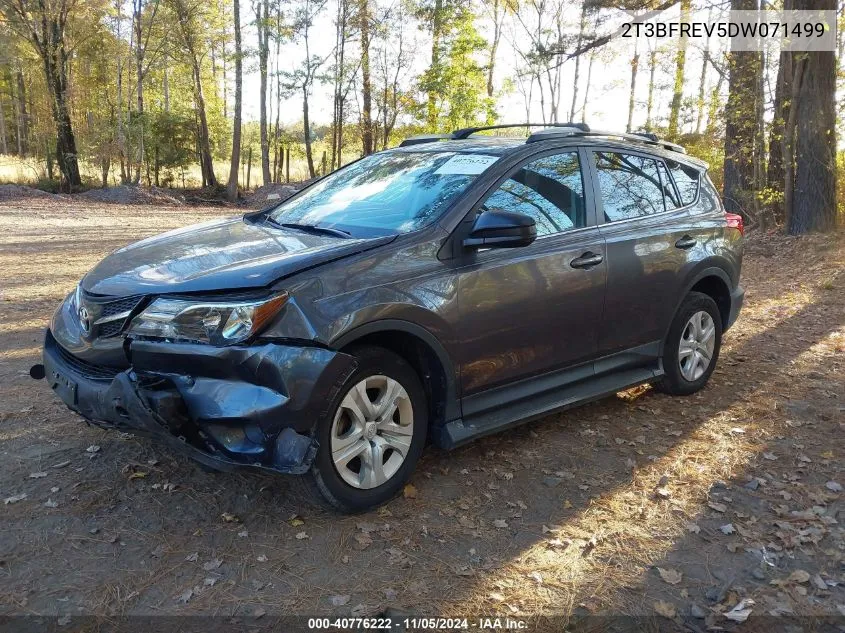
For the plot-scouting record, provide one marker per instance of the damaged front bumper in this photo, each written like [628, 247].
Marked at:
[226, 407]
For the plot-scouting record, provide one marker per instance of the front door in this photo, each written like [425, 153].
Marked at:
[528, 311]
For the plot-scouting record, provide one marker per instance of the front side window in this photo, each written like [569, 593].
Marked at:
[549, 189]
[630, 186]
[385, 194]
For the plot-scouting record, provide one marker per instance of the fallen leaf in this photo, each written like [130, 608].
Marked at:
[62, 464]
[770, 456]
[51, 504]
[338, 601]
[229, 518]
[718, 507]
[192, 558]
[800, 576]
[666, 609]
[138, 474]
[259, 613]
[536, 577]
[301, 536]
[212, 564]
[670, 576]
[14, 498]
[295, 521]
[409, 492]
[93, 449]
[830, 485]
[363, 540]
[243, 533]
[210, 581]
[728, 528]
[37, 475]
[185, 596]
[693, 527]
[741, 611]
[500, 523]
[261, 558]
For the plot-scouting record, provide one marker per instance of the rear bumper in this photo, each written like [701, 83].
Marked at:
[227, 407]
[737, 299]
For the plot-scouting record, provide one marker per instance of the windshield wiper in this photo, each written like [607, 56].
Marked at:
[311, 228]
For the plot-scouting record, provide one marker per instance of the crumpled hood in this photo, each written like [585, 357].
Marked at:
[217, 255]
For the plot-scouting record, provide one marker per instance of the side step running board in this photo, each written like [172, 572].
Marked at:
[460, 432]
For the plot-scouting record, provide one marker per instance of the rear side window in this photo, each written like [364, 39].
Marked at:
[549, 189]
[686, 178]
[669, 193]
[630, 186]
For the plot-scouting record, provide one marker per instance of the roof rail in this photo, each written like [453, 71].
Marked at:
[466, 132]
[424, 138]
[642, 137]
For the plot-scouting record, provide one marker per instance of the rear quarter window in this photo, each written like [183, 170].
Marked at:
[687, 180]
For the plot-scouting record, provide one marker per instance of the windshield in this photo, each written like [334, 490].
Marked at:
[384, 194]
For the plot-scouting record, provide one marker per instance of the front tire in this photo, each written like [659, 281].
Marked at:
[692, 346]
[374, 433]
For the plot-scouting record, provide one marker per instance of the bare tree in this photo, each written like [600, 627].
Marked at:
[302, 79]
[262, 25]
[364, 26]
[232, 185]
[188, 15]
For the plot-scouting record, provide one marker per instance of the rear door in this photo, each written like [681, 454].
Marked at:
[648, 232]
[528, 311]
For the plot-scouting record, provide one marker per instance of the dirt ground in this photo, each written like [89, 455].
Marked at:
[692, 512]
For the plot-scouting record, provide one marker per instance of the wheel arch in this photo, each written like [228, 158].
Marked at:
[423, 351]
[715, 282]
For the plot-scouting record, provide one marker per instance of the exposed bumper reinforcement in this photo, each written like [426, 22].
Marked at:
[226, 408]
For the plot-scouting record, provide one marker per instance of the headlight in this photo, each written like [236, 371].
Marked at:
[223, 323]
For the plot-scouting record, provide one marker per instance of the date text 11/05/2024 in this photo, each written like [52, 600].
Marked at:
[419, 624]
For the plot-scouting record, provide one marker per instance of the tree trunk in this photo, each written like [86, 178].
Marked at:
[635, 61]
[680, 63]
[55, 72]
[232, 185]
[4, 148]
[494, 45]
[138, 6]
[776, 170]
[23, 116]
[587, 87]
[262, 15]
[436, 33]
[814, 193]
[652, 67]
[366, 85]
[309, 157]
[741, 125]
[798, 62]
[206, 162]
[581, 27]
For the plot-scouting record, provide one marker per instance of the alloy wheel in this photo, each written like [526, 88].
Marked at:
[698, 340]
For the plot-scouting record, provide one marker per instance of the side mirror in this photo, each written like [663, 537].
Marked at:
[502, 229]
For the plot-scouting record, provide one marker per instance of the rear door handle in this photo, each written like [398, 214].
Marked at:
[686, 242]
[587, 260]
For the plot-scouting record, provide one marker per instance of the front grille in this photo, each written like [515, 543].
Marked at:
[103, 307]
[86, 369]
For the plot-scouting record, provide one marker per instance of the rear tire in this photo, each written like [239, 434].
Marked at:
[380, 418]
[692, 346]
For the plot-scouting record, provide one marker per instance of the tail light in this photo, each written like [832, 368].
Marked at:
[735, 222]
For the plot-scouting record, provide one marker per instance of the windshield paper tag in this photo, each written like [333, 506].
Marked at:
[466, 164]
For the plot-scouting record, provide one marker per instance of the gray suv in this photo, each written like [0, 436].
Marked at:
[444, 290]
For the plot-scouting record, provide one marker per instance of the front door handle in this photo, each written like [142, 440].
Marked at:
[686, 242]
[587, 260]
